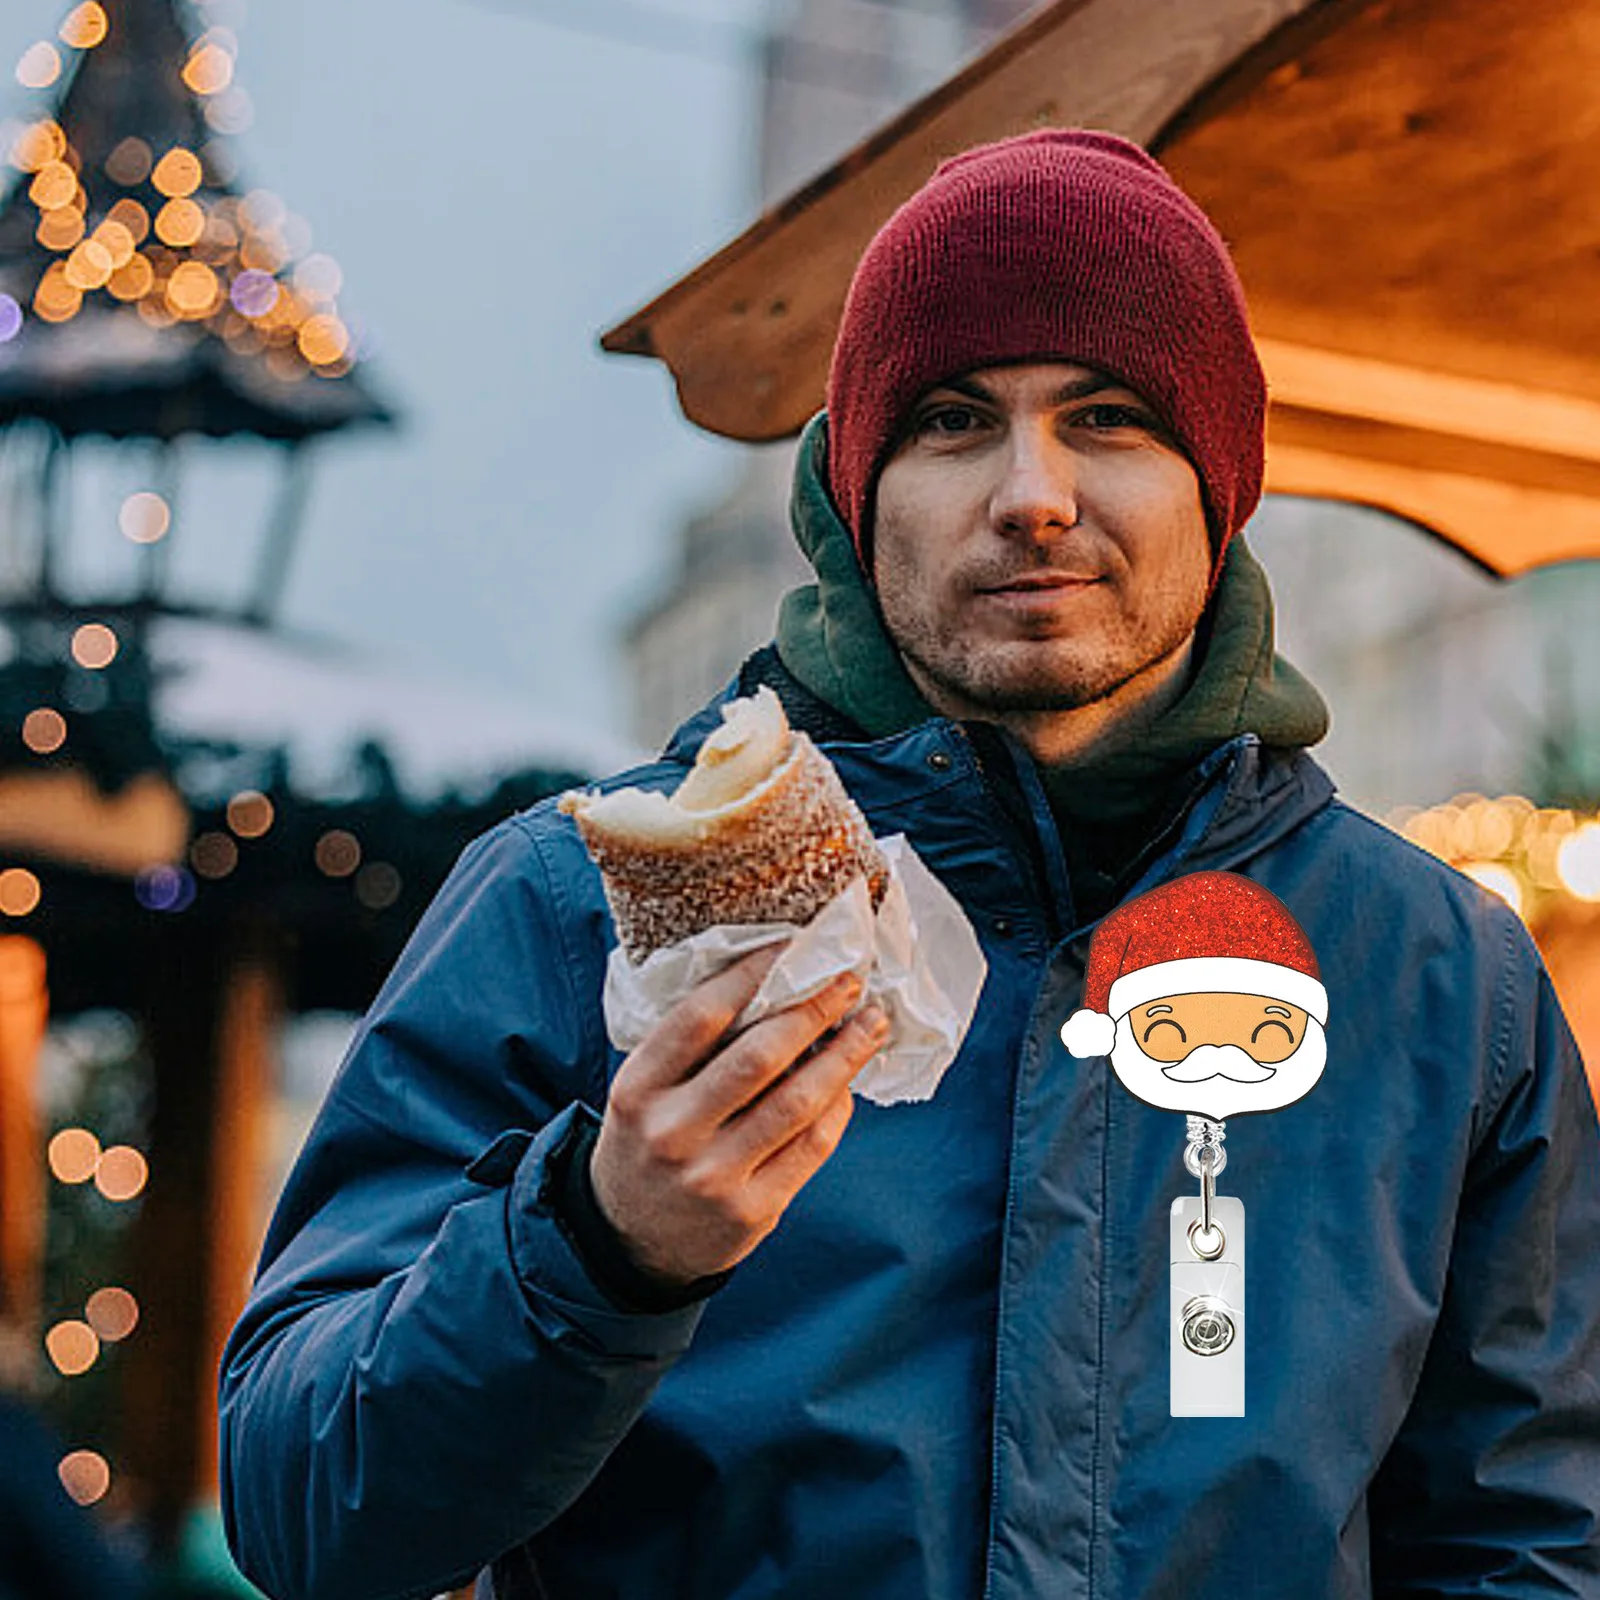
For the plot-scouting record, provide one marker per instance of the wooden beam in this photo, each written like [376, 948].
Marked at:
[748, 334]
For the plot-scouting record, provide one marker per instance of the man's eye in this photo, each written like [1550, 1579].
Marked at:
[947, 420]
[1165, 1022]
[1110, 416]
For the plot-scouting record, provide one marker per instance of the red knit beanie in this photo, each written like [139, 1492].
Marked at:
[1062, 245]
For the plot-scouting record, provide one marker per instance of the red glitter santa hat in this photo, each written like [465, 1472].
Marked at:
[1207, 933]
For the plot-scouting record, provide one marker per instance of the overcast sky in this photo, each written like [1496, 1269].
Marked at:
[497, 189]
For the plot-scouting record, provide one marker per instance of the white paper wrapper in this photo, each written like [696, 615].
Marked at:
[917, 956]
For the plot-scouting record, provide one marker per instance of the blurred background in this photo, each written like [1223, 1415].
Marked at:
[328, 538]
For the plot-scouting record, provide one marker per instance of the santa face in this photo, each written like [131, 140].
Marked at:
[1218, 1055]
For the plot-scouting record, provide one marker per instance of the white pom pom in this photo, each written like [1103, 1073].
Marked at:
[1089, 1033]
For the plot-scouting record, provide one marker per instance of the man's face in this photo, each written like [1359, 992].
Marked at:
[1039, 542]
[1218, 1054]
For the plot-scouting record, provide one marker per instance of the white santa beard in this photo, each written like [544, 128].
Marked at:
[1218, 1097]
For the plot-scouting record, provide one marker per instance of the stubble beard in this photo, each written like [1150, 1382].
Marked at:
[1031, 676]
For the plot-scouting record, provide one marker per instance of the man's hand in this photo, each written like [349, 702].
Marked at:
[707, 1139]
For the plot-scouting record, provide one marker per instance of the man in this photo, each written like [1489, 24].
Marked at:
[689, 1324]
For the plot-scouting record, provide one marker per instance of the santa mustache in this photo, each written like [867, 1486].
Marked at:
[1217, 1060]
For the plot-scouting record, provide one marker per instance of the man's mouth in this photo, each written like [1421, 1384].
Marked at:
[1039, 582]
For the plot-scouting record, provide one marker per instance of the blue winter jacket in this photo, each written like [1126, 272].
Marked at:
[945, 1376]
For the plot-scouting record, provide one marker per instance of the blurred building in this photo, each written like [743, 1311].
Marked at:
[833, 71]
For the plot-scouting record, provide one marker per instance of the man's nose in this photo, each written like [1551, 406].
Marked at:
[1037, 495]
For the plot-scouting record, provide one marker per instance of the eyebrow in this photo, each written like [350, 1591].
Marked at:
[1150, 1011]
[1073, 389]
[1283, 1011]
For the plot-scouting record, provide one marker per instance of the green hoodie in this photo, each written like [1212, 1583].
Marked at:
[831, 637]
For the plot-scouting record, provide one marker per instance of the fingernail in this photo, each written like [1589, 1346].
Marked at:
[848, 986]
[874, 1019]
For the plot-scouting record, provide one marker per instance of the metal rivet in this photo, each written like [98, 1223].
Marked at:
[940, 761]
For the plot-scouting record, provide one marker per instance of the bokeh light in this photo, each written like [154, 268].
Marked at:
[117, 240]
[85, 26]
[73, 1347]
[180, 223]
[192, 290]
[145, 517]
[10, 318]
[19, 892]
[38, 144]
[250, 814]
[1578, 862]
[113, 1313]
[85, 1475]
[73, 1155]
[377, 886]
[209, 70]
[54, 185]
[338, 853]
[122, 1173]
[323, 338]
[318, 279]
[40, 65]
[44, 730]
[133, 281]
[213, 855]
[94, 646]
[89, 266]
[129, 214]
[60, 229]
[130, 162]
[1497, 879]
[230, 112]
[262, 210]
[177, 173]
[55, 300]
[164, 888]
[254, 293]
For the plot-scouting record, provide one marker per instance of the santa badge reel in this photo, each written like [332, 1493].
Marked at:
[1205, 994]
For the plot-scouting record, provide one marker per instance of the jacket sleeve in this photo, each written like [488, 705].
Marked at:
[424, 1375]
[1492, 1486]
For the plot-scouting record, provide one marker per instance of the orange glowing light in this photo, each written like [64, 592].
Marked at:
[338, 853]
[72, 1346]
[179, 223]
[118, 241]
[38, 145]
[133, 281]
[54, 185]
[263, 252]
[19, 892]
[122, 1173]
[144, 516]
[209, 70]
[85, 27]
[40, 65]
[56, 300]
[250, 813]
[177, 173]
[44, 730]
[113, 1313]
[60, 229]
[192, 290]
[129, 163]
[213, 855]
[94, 645]
[220, 236]
[89, 266]
[154, 313]
[85, 1475]
[128, 213]
[73, 1155]
[323, 339]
